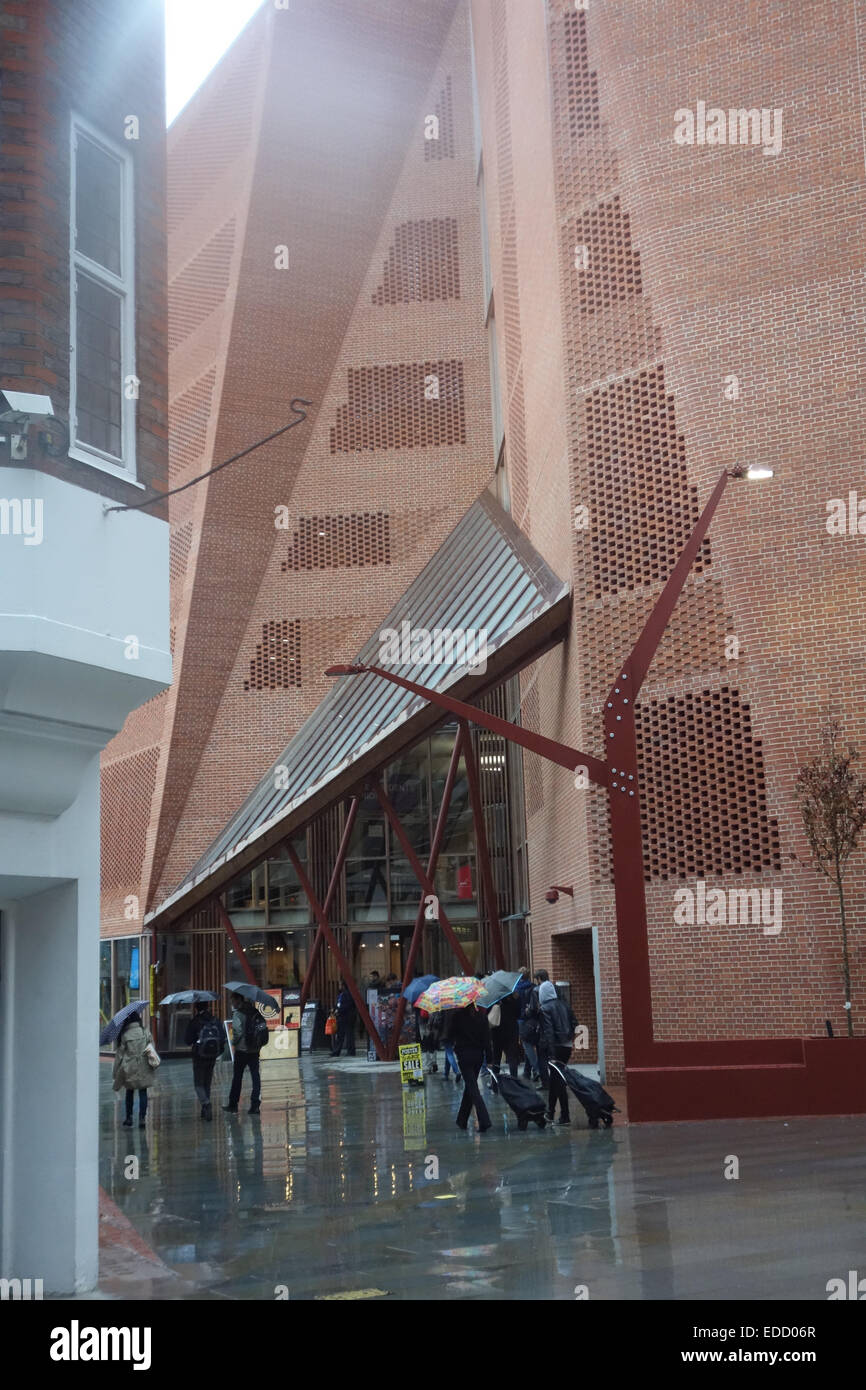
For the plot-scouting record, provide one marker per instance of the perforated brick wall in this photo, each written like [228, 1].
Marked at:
[340, 542]
[411, 405]
[277, 662]
[442, 145]
[423, 263]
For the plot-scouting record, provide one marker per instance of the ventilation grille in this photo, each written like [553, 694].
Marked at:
[188, 416]
[277, 662]
[422, 264]
[127, 794]
[643, 509]
[530, 718]
[582, 83]
[612, 265]
[340, 542]
[178, 551]
[443, 148]
[201, 286]
[406, 406]
[704, 801]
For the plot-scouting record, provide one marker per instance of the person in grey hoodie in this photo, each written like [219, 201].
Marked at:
[557, 1024]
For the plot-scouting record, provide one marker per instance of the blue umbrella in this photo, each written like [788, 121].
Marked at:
[111, 1030]
[417, 987]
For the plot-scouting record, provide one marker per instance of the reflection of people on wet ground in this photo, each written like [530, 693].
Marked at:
[557, 1037]
[580, 1212]
[469, 1034]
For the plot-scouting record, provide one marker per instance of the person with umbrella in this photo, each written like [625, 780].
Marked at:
[557, 1024]
[132, 1069]
[469, 1034]
[249, 1036]
[206, 1036]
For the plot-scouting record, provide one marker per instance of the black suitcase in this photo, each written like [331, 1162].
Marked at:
[591, 1094]
[524, 1100]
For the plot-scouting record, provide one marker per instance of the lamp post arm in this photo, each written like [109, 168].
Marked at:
[646, 646]
[548, 748]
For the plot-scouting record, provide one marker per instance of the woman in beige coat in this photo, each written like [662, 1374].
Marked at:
[132, 1070]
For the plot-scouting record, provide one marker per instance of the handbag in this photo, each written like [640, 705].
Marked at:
[330, 1025]
[153, 1057]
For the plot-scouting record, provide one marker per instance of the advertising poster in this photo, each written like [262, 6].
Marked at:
[411, 1064]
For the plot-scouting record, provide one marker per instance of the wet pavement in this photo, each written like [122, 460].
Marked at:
[349, 1185]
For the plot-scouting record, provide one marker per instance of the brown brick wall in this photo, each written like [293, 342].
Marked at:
[701, 265]
[103, 62]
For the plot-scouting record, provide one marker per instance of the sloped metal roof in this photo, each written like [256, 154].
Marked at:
[485, 576]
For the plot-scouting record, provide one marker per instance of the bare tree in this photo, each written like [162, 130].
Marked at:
[832, 800]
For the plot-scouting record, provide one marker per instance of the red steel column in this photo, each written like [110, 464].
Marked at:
[433, 860]
[233, 938]
[326, 906]
[345, 968]
[422, 878]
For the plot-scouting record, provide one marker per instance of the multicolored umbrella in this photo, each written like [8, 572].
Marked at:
[454, 993]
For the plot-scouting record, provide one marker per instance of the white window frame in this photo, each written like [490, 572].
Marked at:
[124, 286]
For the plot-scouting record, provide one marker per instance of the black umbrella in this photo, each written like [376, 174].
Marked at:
[188, 996]
[111, 1029]
[258, 996]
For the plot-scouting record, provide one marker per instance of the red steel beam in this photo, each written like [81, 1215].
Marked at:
[465, 738]
[422, 878]
[548, 748]
[345, 968]
[233, 938]
[319, 938]
[433, 860]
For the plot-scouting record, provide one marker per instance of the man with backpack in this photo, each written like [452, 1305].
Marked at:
[249, 1035]
[206, 1036]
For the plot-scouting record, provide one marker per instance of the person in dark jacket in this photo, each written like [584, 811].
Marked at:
[525, 1030]
[345, 1011]
[557, 1024]
[469, 1035]
[246, 1055]
[532, 1029]
[508, 1041]
[203, 1064]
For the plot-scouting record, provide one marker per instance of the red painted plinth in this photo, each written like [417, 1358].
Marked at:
[790, 1076]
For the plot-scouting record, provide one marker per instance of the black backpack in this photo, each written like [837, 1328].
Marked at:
[211, 1038]
[256, 1032]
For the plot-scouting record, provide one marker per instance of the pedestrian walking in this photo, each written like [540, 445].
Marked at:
[527, 1028]
[557, 1039]
[468, 1033]
[134, 1067]
[345, 1011]
[439, 1029]
[533, 1012]
[508, 1043]
[249, 1035]
[206, 1036]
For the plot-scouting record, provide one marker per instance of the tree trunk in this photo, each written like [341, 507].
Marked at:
[846, 966]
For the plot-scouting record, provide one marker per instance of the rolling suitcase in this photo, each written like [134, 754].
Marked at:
[524, 1100]
[591, 1094]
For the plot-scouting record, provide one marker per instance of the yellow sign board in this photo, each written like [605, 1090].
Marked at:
[411, 1064]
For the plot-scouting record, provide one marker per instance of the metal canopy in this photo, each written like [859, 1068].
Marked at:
[485, 576]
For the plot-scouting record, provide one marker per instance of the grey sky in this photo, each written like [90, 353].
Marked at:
[197, 34]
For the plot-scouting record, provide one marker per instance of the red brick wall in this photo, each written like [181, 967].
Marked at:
[357, 199]
[103, 62]
[696, 272]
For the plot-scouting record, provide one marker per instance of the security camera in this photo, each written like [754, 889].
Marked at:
[552, 895]
[23, 406]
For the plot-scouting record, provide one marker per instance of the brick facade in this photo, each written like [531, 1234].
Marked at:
[634, 277]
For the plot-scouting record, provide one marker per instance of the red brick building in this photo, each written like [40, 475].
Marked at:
[650, 312]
